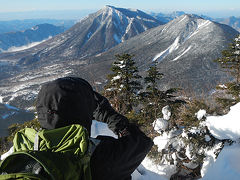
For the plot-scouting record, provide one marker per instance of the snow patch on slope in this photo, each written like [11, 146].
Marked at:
[169, 50]
[184, 52]
[200, 26]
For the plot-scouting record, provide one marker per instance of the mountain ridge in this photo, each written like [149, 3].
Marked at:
[184, 48]
[94, 34]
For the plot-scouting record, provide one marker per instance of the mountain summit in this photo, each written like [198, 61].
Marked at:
[184, 48]
[95, 34]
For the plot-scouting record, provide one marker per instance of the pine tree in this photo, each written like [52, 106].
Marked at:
[123, 84]
[154, 99]
[230, 61]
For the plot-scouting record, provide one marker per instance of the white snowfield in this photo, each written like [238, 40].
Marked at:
[225, 167]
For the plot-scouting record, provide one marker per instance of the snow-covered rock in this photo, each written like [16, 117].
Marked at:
[201, 113]
[166, 112]
[160, 124]
[227, 126]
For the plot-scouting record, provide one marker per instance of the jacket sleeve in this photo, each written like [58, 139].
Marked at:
[105, 113]
[116, 159]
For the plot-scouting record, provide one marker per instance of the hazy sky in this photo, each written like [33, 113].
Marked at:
[217, 6]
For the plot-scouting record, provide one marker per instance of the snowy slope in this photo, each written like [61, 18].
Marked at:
[184, 49]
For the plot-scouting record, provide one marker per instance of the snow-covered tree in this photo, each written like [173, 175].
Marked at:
[185, 148]
[123, 84]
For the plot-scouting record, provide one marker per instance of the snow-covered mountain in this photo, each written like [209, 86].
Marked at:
[14, 40]
[94, 34]
[185, 49]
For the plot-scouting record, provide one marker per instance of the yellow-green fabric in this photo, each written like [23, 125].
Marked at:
[72, 139]
[63, 152]
[19, 176]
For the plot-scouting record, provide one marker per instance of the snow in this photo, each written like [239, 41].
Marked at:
[162, 141]
[166, 112]
[200, 114]
[222, 86]
[210, 158]
[116, 78]
[207, 138]
[201, 25]
[227, 126]
[182, 19]
[237, 52]
[23, 84]
[227, 165]
[174, 46]
[184, 52]
[160, 125]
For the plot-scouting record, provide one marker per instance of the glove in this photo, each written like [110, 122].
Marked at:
[105, 113]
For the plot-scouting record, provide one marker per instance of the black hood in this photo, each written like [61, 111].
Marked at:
[65, 101]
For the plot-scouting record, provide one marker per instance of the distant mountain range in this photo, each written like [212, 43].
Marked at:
[167, 17]
[12, 40]
[10, 115]
[184, 48]
[94, 34]
[21, 25]
[232, 21]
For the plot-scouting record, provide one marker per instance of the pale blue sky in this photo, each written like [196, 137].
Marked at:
[204, 6]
